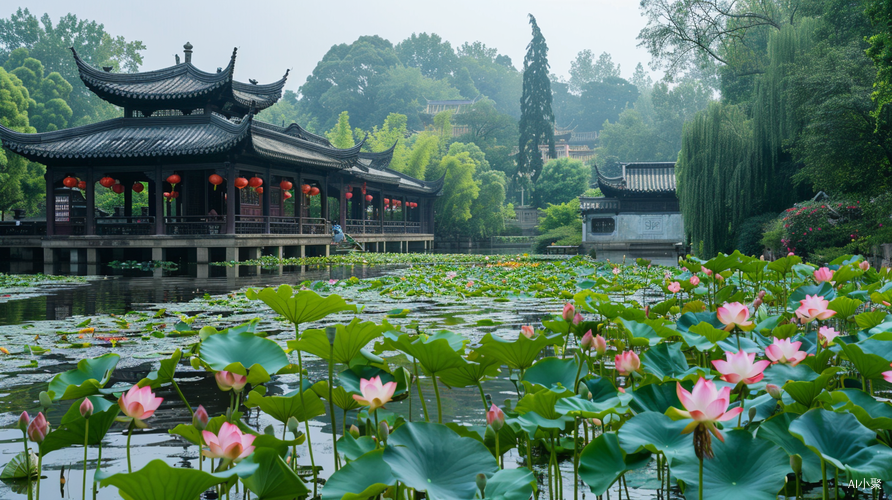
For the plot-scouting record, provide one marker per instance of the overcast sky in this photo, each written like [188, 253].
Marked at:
[273, 36]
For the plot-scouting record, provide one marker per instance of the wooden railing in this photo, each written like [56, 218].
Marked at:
[123, 226]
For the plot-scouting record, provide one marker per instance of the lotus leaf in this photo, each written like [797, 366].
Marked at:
[554, 373]
[349, 340]
[363, 478]
[869, 356]
[73, 426]
[603, 461]
[510, 484]
[518, 354]
[243, 353]
[304, 306]
[777, 430]
[873, 414]
[303, 407]
[353, 448]
[164, 374]
[159, 481]
[269, 477]
[656, 433]
[87, 379]
[480, 369]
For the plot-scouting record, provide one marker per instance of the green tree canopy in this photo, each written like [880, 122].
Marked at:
[21, 181]
[453, 208]
[536, 117]
[585, 70]
[562, 180]
[341, 136]
[48, 109]
[432, 55]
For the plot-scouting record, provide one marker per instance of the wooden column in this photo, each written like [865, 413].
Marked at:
[342, 206]
[381, 214]
[50, 203]
[265, 200]
[90, 227]
[230, 197]
[299, 204]
[323, 201]
[159, 201]
[128, 199]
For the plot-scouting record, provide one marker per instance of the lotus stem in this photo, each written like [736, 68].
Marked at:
[700, 488]
[626, 486]
[334, 422]
[182, 397]
[99, 465]
[575, 458]
[482, 396]
[86, 442]
[498, 455]
[420, 392]
[797, 487]
[579, 363]
[129, 435]
[835, 482]
[27, 462]
[437, 393]
[826, 491]
[39, 473]
[312, 461]
[377, 432]
[529, 452]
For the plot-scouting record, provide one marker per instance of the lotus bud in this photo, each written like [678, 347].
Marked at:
[527, 331]
[577, 319]
[600, 345]
[569, 312]
[774, 391]
[757, 304]
[292, 425]
[588, 341]
[24, 420]
[864, 265]
[752, 414]
[495, 418]
[796, 463]
[647, 311]
[597, 422]
[383, 430]
[45, 400]
[200, 419]
[330, 332]
[583, 392]
[38, 428]
[481, 483]
[86, 408]
[761, 295]
[354, 431]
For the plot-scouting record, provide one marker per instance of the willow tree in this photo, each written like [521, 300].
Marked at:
[536, 117]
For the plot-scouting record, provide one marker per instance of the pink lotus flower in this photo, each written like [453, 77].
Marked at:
[577, 319]
[332, 281]
[674, 287]
[823, 274]
[705, 405]
[374, 393]
[616, 271]
[813, 307]
[495, 418]
[527, 331]
[451, 274]
[86, 408]
[785, 352]
[888, 375]
[864, 265]
[23, 421]
[826, 335]
[569, 312]
[627, 362]
[38, 428]
[600, 345]
[588, 341]
[200, 418]
[469, 284]
[229, 443]
[733, 314]
[139, 403]
[695, 280]
[740, 368]
[228, 381]
[708, 272]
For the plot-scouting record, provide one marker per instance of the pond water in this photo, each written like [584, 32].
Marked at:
[39, 317]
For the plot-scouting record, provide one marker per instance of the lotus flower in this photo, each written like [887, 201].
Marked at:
[864, 265]
[588, 341]
[228, 381]
[139, 403]
[888, 375]
[627, 362]
[374, 393]
[569, 312]
[38, 428]
[86, 408]
[695, 280]
[785, 352]
[733, 314]
[674, 287]
[577, 319]
[451, 274]
[616, 271]
[527, 331]
[229, 443]
[740, 368]
[813, 307]
[705, 405]
[495, 418]
[823, 274]
[826, 335]
[600, 345]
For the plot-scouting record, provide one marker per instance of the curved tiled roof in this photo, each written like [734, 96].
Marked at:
[296, 130]
[377, 160]
[277, 144]
[640, 179]
[182, 86]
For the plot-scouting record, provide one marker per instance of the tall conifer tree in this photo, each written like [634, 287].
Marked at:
[536, 116]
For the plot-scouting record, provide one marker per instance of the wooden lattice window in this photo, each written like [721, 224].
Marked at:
[603, 225]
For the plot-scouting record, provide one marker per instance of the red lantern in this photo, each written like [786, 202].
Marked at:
[368, 197]
[241, 183]
[173, 179]
[286, 185]
[118, 188]
[106, 182]
[314, 191]
[69, 182]
[138, 187]
[166, 195]
[414, 205]
[287, 194]
[216, 180]
[363, 188]
[348, 195]
[255, 182]
[259, 190]
[305, 188]
[82, 185]
[349, 189]
[174, 194]
[387, 201]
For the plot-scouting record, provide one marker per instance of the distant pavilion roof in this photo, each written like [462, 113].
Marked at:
[181, 87]
[640, 179]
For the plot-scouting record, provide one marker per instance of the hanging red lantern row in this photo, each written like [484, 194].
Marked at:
[349, 189]
[241, 183]
[118, 188]
[69, 182]
[258, 190]
[106, 182]
[314, 191]
[216, 180]
[255, 182]
[173, 180]
[138, 187]
[363, 188]
[82, 185]
[368, 198]
[286, 185]
[348, 195]
[305, 188]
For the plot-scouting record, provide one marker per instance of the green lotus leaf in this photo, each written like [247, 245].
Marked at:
[554, 373]
[353, 448]
[657, 397]
[363, 478]
[85, 380]
[777, 430]
[18, 467]
[510, 484]
[517, 354]
[780, 374]
[250, 326]
[844, 306]
[164, 374]
[869, 356]
[656, 433]
[744, 468]
[603, 461]
[269, 477]
[870, 319]
[784, 265]
[436, 353]
[709, 332]
[824, 289]
[537, 410]
[349, 340]
[578, 407]
[242, 353]
[73, 426]
[341, 398]
[687, 320]
[662, 308]
[480, 369]
[654, 331]
[871, 413]
[666, 361]
[303, 407]
[842, 441]
[159, 481]
[806, 391]
[434, 459]
[304, 306]
[722, 262]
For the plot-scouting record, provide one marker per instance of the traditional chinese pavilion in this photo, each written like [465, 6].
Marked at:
[216, 177]
[637, 216]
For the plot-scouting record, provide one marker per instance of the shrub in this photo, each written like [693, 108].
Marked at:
[564, 235]
[749, 234]
[773, 235]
